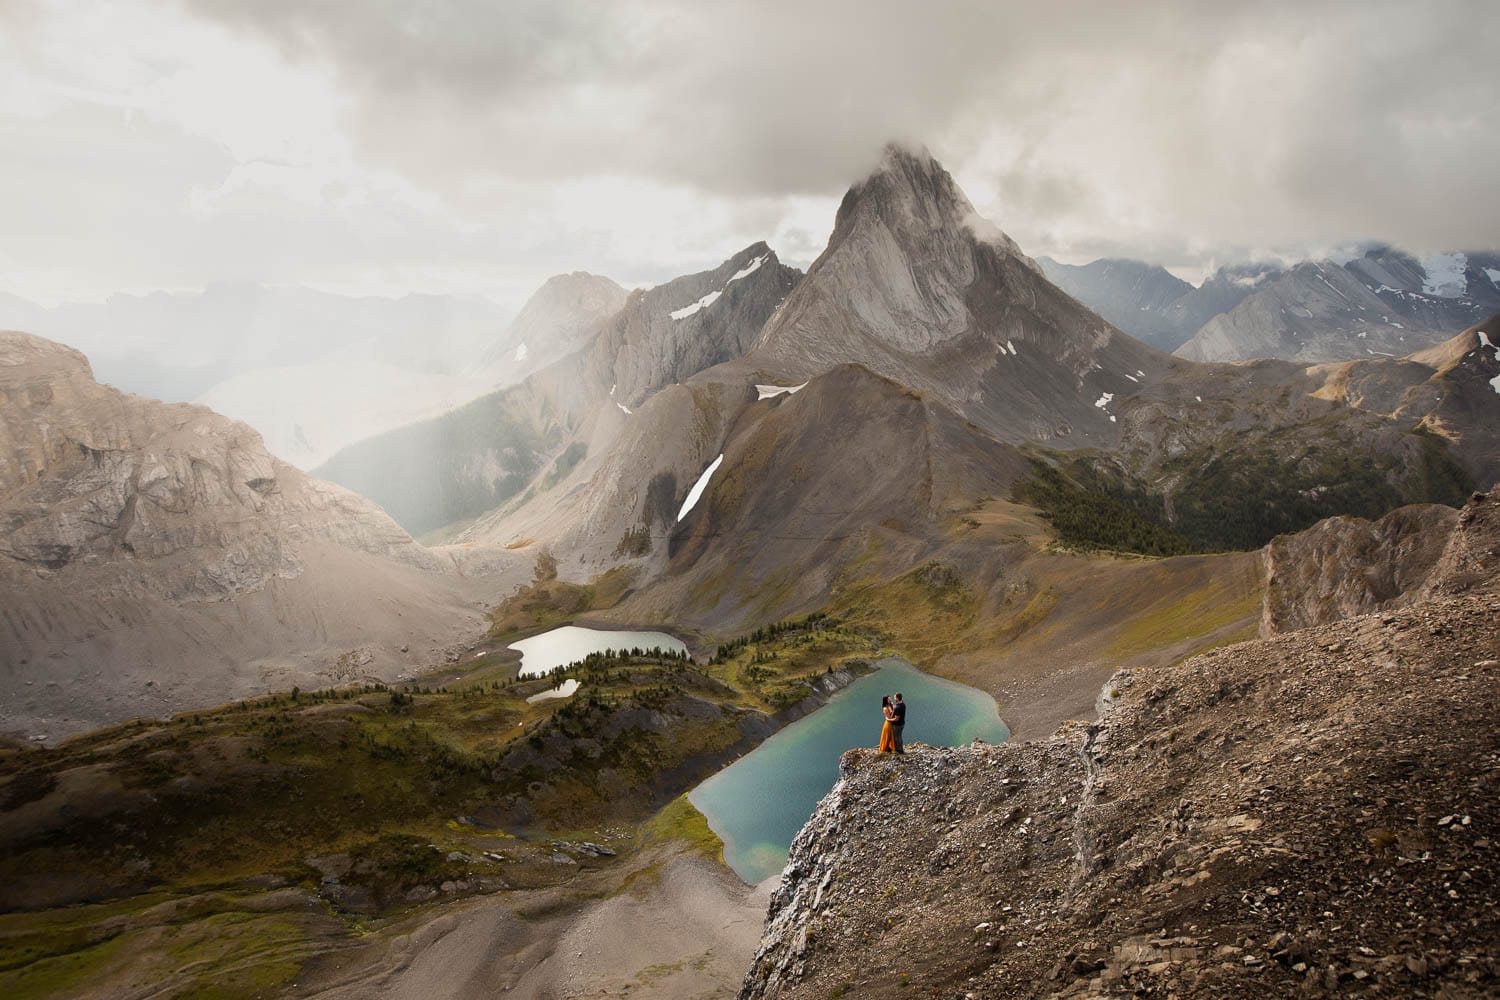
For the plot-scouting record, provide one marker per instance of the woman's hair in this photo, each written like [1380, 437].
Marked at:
[885, 701]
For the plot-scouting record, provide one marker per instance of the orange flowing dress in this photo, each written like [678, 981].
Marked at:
[887, 738]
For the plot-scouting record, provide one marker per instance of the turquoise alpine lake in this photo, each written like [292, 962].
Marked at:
[758, 803]
[571, 643]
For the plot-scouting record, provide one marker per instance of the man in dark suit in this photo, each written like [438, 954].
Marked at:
[898, 724]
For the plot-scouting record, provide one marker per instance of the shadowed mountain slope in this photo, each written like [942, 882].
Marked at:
[1132, 295]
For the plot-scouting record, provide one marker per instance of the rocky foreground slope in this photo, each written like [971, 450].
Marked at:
[1313, 814]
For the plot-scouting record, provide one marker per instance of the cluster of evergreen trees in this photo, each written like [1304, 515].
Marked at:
[1089, 512]
[815, 622]
[1238, 497]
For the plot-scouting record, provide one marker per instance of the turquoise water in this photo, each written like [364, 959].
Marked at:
[757, 804]
[570, 643]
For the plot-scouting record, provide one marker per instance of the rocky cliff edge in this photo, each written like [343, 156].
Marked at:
[1313, 814]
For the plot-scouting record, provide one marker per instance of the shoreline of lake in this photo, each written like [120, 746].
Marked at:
[563, 645]
[757, 803]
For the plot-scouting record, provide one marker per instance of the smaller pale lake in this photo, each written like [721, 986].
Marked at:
[570, 643]
[757, 804]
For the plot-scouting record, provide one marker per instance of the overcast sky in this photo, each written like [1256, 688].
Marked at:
[478, 146]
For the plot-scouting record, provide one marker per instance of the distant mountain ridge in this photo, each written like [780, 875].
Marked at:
[1132, 295]
[557, 319]
[177, 346]
[1383, 303]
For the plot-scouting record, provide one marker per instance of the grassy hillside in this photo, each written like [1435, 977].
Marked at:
[271, 827]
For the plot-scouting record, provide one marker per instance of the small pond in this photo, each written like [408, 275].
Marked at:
[570, 643]
[757, 804]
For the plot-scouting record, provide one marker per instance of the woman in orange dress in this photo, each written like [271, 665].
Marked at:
[887, 737]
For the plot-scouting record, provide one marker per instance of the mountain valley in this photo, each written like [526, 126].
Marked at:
[267, 734]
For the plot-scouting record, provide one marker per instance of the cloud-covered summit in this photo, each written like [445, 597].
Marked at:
[481, 146]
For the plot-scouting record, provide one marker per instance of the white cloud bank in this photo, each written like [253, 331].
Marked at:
[468, 146]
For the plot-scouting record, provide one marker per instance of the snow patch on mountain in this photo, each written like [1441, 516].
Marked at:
[1445, 275]
[1484, 341]
[749, 268]
[699, 487]
[702, 303]
[713, 297]
[772, 391]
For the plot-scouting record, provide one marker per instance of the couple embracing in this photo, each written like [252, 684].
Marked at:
[894, 710]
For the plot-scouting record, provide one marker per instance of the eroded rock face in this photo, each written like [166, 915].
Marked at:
[1348, 566]
[1308, 815]
[156, 556]
[94, 475]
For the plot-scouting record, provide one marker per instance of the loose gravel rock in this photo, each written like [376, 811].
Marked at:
[1310, 815]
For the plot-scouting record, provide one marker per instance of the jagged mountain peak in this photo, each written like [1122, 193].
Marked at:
[735, 267]
[916, 286]
[910, 192]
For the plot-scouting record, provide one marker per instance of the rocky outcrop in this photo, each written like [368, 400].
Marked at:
[141, 544]
[1308, 815]
[1348, 566]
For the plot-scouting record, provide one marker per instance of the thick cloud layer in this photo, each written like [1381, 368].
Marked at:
[484, 144]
